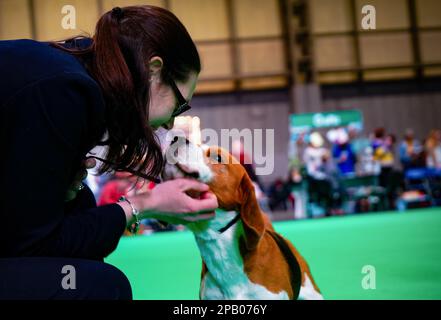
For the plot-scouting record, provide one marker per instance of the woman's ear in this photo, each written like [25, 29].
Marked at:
[155, 68]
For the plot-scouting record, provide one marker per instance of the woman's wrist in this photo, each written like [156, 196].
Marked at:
[142, 203]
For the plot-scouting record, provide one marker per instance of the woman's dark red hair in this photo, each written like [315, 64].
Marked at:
[124, 41]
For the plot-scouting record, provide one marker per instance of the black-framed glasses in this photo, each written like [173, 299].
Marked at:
[183, 105]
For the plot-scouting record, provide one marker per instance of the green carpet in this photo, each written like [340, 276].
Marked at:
[404, 248]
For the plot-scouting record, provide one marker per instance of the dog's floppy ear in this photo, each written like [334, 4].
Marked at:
[252, 219]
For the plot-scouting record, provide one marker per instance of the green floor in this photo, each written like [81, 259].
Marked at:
[404, 248]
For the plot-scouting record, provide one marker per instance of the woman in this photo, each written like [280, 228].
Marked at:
[382, 146]
[57, 102]
[343, 153]
[384, 153]
[433, 149]
[410, 151]
[319, 168]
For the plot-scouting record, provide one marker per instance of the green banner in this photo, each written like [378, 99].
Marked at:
[341, 118]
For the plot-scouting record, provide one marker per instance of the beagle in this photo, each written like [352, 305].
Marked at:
[243, 257]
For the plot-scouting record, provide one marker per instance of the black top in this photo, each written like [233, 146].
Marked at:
[51, 112]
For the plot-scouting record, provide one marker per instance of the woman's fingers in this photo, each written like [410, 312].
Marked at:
[189, 184]
[207, 202]
[171, 201]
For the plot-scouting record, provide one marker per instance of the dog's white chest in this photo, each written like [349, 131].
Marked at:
[226, 278]
[247, 290]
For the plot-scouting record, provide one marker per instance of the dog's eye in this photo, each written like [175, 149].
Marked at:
[216, 157]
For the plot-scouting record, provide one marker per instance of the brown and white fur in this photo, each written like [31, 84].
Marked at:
[243, 262]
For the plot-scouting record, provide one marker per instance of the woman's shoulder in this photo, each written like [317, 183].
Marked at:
[41, 56]
[24, 62]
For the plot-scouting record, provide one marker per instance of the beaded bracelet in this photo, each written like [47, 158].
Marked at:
[135, 226]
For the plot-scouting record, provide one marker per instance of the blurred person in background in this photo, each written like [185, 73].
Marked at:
[358, 142]
[433, 149]
[298, 195]
[378, 142]
[390, 179]
[410, 151]
[362, 147]
[383, 152]
[322, 185]
[278, 195]
[343, 154]
[315, 157]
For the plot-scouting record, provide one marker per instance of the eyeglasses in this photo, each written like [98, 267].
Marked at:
[183, 105]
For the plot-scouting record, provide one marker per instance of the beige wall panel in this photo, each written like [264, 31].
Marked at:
[205, 20]
[261, 57]
[429, 13]
[432, 71]
[216, 60]
[14, 19]
[214, 86]
[335, 77]
[385, 49]
[257, 18]
[334, 52]
[430, 43]
[264, 83]
[48, 18]
[330, 16]
[388, 74]
[390, 14]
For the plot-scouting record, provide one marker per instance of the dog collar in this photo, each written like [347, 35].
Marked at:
[230, 224]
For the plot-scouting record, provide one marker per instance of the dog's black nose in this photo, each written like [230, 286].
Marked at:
[180, 139]
[175, 139]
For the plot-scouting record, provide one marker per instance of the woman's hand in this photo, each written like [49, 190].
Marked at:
[77, 185]
[170, 202]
